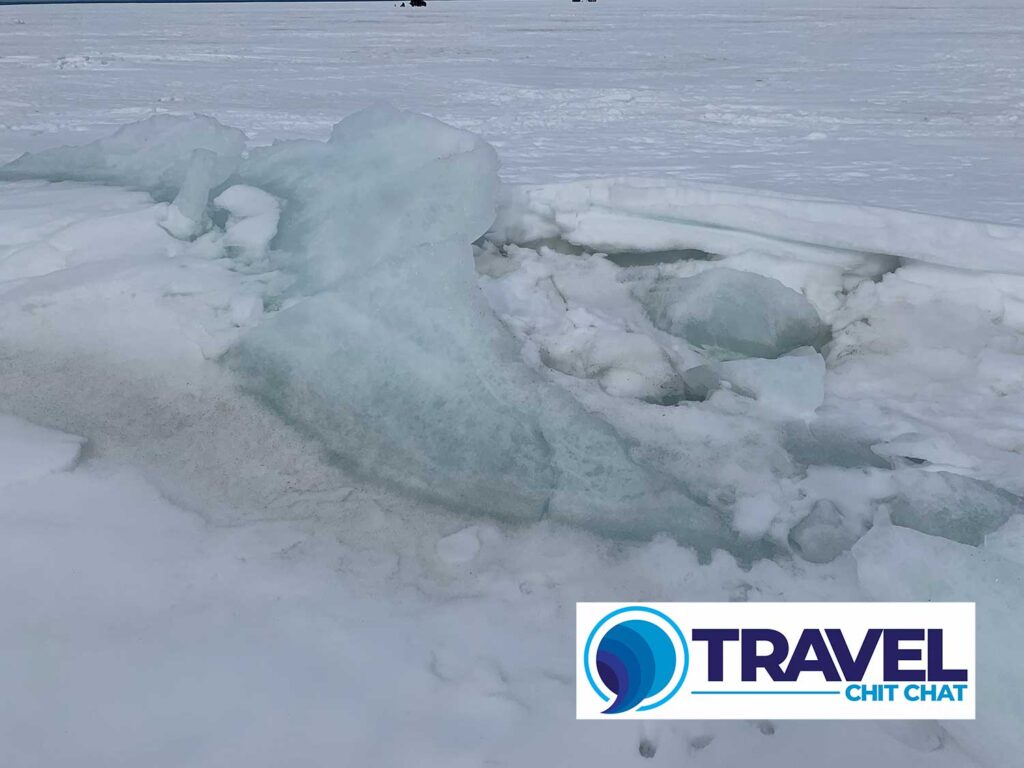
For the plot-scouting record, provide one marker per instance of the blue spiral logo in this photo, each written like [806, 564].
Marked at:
[637, 653]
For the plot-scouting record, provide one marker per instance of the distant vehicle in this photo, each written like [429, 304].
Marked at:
[418, 3]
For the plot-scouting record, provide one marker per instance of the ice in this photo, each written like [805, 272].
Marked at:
[790, 386]
[823, 535]
[645, 215]
[952, 506]
[734, 314]
[625, 364]
[388, 352]
[48, 228]
[895, 563]
[157, 154]
[186, 217]
[338, 279]
[253, 216]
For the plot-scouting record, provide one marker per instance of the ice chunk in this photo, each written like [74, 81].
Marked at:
[386, 184]
[155, 154]
[625, 364]
[253, 216]
[388, 352]
[895, 563]
[736, 314]
[616, 215]
[186, 216]
[952, 506]
[28, 452]
[823, 535]
[791, 385]
[832, 440]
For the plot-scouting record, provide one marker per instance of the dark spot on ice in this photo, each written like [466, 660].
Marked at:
[647, 748]
[766, 727]
[650, 258]
[701, 742]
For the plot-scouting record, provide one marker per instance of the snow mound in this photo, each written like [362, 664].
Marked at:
[735, 314]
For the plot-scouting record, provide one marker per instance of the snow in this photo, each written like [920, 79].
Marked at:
[349, 304]
[365, 410]
[901, 564]
[920, 110]
[28, 452]
[136, 632]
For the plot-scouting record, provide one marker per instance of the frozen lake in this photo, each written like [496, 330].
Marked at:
[909, 105]
[313, 433]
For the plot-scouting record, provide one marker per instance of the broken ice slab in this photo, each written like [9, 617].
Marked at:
[952, 506]
[734, 313]
[155, 154]
[390, 355]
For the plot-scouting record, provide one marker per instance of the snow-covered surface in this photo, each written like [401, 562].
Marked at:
[901, 104]
[359, 423]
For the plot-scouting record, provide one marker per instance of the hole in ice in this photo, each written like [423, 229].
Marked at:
[651, 258]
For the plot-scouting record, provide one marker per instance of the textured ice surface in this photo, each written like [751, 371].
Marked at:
[108, 328]
[187, 215]
[390, 354]
[156, 154]
[733, 313]
[793, 384]
[823, 535]
[952, 506]
[645, 216]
